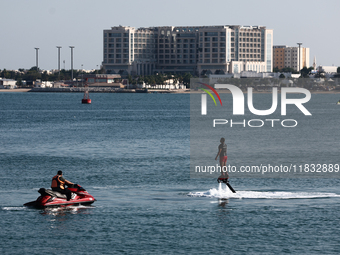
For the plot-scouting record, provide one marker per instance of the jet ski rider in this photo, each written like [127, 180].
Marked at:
[58, 184]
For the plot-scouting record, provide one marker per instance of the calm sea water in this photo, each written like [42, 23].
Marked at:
[131, 152]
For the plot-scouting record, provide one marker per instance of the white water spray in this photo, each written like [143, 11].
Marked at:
[226, 193]
[220, 187]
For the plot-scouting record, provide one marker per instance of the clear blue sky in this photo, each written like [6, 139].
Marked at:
[45, 24]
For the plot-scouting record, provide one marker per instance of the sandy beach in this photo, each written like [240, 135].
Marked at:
[15, 90]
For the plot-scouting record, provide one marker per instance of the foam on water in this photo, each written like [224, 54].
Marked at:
[13, 208]
[224, 192]
[71, 208]
[52, 209]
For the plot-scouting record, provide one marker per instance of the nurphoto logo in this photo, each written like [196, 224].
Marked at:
[238, 104]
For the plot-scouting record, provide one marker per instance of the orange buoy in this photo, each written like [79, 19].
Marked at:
[86, 99]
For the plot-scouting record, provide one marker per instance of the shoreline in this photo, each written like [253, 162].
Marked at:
[15, 90]
[187, 91]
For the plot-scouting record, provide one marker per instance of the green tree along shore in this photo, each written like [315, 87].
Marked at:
[33, 74]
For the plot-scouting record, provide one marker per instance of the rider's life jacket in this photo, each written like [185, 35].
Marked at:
[57, 183]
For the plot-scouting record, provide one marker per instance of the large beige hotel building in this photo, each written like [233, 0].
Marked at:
[198, 50]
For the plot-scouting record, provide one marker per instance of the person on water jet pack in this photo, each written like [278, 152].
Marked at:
[58, 184]
[222, 152]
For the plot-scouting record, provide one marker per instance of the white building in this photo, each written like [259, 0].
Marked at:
[8, 84]
[328, 69]
[43, 84]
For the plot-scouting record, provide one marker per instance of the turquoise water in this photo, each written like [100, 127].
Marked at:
[131, 152]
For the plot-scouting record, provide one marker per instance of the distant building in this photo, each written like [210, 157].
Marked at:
[8, 84]
[104, 80]
[328, 69]
[43, 84]
[284, 56]
[196, 50]
[59, 84]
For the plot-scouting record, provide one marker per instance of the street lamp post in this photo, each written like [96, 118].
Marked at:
[36, 58]
[71, 61]
[82, 76]
[59, 61]
[299, 56]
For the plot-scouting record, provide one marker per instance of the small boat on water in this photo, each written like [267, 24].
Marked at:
[338, 102]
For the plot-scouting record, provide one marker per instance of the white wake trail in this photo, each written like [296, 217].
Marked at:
[224, 192]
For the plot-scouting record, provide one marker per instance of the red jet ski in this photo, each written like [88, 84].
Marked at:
[51, 198]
